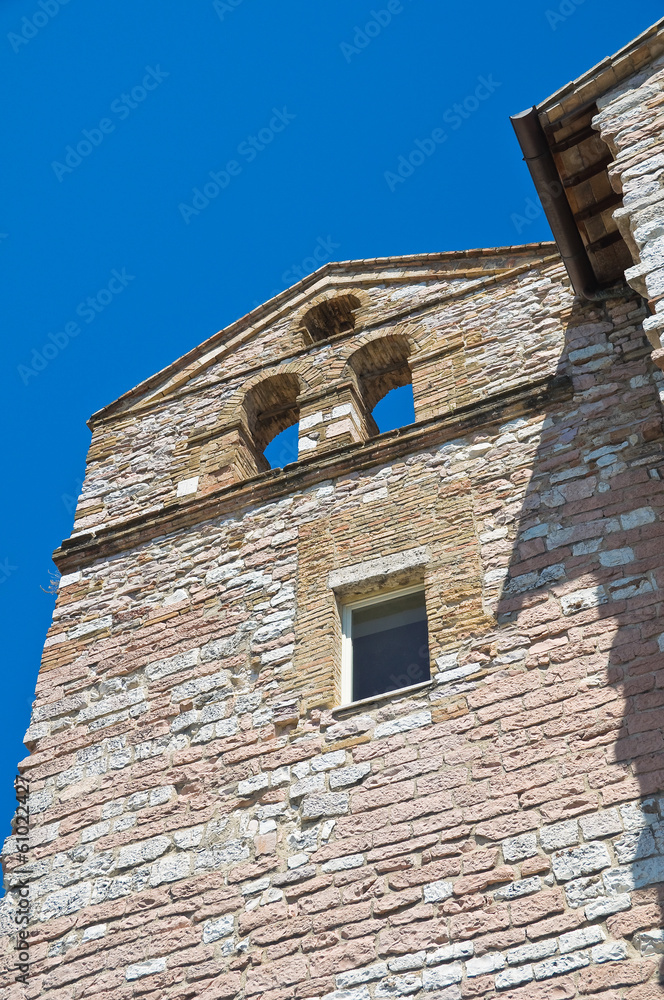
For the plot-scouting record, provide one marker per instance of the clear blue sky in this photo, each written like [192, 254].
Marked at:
[170, 92]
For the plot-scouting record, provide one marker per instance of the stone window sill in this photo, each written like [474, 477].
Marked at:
[355, 706]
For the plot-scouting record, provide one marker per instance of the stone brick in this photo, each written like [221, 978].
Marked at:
[584, 860]
[582, 938]
[330, 804]
[533, 908]
[555, 925]
[625, 924]
[518, 848]
[552, 838]
[614, 975]
[603, 824]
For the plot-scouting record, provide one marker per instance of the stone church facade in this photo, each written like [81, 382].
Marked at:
[214, 812]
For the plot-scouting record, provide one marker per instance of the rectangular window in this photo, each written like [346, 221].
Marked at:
[385, 644]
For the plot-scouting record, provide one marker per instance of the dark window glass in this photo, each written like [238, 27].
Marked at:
[390, 645]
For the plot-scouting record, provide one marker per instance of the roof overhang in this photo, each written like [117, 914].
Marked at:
[568, 161]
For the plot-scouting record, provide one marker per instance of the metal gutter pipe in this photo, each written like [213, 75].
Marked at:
[551, 192]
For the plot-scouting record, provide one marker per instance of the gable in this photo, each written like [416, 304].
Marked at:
[384, 288]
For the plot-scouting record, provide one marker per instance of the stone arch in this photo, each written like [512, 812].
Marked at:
[380, 365]
[247, 395]
[271, 406]
[332, 313]
[265, 405]
[259, 409]
[375, 368]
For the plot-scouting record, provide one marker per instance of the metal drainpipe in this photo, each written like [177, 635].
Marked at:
[545, 175]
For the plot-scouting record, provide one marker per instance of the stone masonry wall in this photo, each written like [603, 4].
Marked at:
[205, 822]
[631, 122]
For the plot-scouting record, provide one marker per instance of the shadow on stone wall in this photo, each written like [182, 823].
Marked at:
[584, 589]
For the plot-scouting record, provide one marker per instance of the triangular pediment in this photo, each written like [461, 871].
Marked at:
[281, 317]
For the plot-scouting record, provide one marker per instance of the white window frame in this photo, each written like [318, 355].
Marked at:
[347, 640]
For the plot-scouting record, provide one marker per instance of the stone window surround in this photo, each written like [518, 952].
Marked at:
[375, 580]
[379, 573]
[347, 666]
